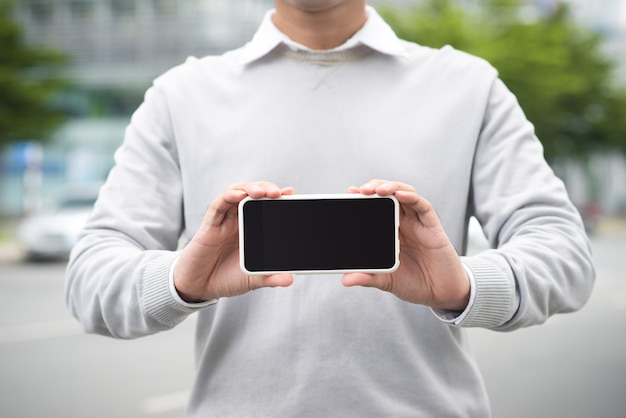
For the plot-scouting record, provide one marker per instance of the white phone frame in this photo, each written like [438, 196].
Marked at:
[318, 197]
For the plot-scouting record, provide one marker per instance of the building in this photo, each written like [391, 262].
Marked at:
[118, 47]
[127, 42]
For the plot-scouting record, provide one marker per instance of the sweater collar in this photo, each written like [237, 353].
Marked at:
[375, 34]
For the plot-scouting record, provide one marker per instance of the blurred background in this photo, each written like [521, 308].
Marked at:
[73, 71]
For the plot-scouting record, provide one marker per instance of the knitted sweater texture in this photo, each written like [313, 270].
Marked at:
[378, 107]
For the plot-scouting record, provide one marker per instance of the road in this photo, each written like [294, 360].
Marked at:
[49, 368]
[572, 366]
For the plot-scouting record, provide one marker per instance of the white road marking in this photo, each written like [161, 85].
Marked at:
[164, 403]
[35, 331]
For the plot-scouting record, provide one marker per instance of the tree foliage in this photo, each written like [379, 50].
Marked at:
[29, 76]
[558, 71]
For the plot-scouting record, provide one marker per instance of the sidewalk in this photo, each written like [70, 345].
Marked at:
[11, 252]
[611, 226]
[10, 249]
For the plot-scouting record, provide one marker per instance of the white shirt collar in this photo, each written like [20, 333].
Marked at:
[375, 33]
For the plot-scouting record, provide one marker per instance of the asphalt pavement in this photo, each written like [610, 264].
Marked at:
[573, 366]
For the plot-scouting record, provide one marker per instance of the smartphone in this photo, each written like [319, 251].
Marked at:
[319, 234]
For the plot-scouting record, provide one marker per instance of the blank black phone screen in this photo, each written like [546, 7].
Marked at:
[319, 234]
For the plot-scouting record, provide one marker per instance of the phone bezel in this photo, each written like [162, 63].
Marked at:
[396, 223]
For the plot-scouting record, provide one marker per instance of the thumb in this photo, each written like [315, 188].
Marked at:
[378, 281]
[273, 280]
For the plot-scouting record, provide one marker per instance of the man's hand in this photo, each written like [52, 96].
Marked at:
[430, 271]
[208, 267]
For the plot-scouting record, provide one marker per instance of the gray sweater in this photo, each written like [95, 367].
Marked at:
[377, 107]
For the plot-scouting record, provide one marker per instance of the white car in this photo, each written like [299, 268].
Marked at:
[52, 234]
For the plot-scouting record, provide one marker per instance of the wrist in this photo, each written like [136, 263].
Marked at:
[457, 316]
[456, 294]
[183, 298]
[465, 290]
[178, 286]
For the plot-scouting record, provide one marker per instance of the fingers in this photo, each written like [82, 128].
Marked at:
[260, 189]
[381, 187]
[356, 279]
[366, 280]
[235, 193]
[412, 204]
[274, 280]
[416, 206]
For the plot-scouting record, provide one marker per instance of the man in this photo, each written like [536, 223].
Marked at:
[324, 99]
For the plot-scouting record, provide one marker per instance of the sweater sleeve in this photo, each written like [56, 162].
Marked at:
[117, 277]
[541, 263]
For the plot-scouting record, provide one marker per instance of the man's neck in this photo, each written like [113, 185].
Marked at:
[320, 28]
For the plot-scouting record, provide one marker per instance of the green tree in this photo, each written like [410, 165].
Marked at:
[29, 77]
[557, 70]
